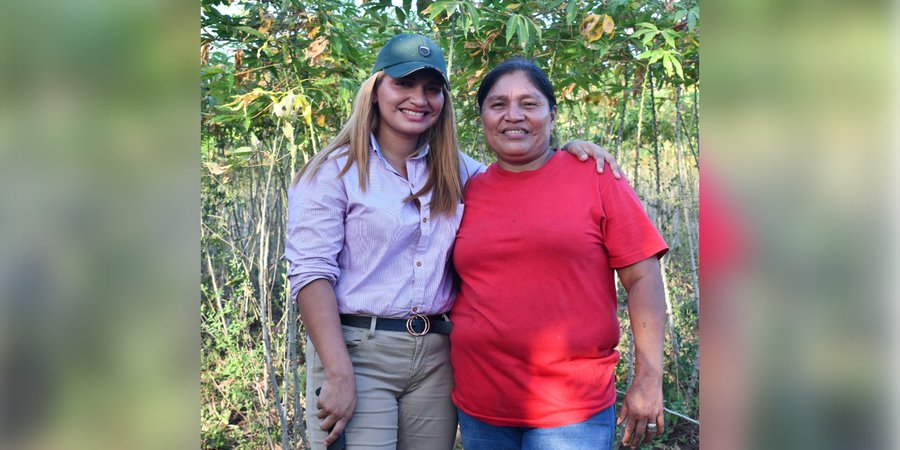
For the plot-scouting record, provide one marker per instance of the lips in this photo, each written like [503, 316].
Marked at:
[514, 132]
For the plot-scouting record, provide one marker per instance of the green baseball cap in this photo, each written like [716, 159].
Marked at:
[407, 53]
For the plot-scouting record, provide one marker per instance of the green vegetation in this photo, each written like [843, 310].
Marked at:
[277, 79]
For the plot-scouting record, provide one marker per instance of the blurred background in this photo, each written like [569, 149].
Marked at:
[101, 220]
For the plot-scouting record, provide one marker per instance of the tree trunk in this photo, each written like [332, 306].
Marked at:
[264, 306]
[622, 113]
[637, 145]
[655, 137]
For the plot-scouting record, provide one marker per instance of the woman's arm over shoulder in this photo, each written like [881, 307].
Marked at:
[469, 167]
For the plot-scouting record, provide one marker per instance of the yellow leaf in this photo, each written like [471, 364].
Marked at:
[288, 131]
[608, 25]
[513, 6]
[266, 24]
[313, 32]
[215, 169]
[316, 50]
[307, 114]
[320, 121]
[568, 90]
[588, 25]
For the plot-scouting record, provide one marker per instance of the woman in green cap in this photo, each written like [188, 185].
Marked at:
[372, 221]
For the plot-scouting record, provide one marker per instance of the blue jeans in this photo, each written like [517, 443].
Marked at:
[598, 432]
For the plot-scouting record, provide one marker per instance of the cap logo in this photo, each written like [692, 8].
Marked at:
[424, 51]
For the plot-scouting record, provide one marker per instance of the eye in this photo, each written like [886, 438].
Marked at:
[530, 105]
[434, 89]
[496, 105]
[403, 82]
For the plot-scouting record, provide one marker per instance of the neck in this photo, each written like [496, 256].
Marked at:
[395, 148]
[534, 164]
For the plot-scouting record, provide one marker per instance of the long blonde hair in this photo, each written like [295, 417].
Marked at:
[442, 158]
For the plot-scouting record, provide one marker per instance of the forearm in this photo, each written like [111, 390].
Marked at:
[647, 312]
[318, 308]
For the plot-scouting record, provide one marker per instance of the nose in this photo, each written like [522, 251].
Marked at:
[418, 96]
[514, 113]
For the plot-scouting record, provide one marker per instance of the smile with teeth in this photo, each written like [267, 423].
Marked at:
[515, 131]
[413, 113]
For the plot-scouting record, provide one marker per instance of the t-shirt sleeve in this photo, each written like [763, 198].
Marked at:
[315, 234]
[628, 233]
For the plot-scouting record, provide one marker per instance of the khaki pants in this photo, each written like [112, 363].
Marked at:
[403, 386]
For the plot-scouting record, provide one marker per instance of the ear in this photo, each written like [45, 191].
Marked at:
[553, 116]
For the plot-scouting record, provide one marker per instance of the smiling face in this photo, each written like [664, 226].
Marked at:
[517, 119]
[408, 106]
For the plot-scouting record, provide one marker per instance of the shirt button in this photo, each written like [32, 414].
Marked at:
[418, 263]
[425, 220]
[415, 309]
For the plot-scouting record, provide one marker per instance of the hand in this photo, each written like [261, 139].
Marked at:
[583, 149]
[336, 404]
[643, 405]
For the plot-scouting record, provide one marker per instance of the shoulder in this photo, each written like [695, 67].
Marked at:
[469, 167]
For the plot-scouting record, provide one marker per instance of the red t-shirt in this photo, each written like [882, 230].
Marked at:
[534, 325]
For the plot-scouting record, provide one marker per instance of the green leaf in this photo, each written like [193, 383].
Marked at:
[648, 38]
[473, 12]
[436, 9]
[648, 25]
[641, 32]
[645, 54]
[537, 29]
[250, 30]
[667, 63]
[667, 35]
[242, 150]
[570, 12]
[678, 68]
[510, 28]
[692, 20]
[522, 29]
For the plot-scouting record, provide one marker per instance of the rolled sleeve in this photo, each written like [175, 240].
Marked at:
[317, 207]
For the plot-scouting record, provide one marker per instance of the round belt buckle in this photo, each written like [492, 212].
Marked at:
[412, 331]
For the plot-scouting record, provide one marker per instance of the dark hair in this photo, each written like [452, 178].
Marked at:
[518, 64]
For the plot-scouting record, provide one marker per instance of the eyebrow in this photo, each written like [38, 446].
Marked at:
[529, 96]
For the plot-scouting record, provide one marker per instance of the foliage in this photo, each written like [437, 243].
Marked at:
[277, 79]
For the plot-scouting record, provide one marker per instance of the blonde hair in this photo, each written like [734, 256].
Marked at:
[442, 158]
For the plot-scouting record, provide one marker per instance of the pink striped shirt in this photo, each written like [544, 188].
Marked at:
[383, 256]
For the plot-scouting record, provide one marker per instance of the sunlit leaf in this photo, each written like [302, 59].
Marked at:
[216, 169]
[510, 28]
[288, 131]
[667, 35]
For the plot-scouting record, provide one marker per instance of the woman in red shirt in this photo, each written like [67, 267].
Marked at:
[535, 327]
